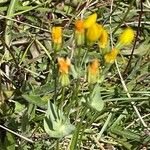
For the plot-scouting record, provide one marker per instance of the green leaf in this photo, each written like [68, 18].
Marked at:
[127, 145]
[125, 133]
[28, 115]
[9, 141]
[44, 89]
[55, 123]
[95, 100]
[74, 72]
[10, 12]
[35, 99]
[140, 51]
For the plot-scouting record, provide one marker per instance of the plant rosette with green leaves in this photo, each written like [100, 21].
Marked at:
[56, 124]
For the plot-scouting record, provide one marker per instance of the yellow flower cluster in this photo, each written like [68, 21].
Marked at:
[125, 39]
[64, 65]
[95, 31]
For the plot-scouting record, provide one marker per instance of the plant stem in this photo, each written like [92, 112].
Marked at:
[57, 144]
[74, 141]
[62, 97]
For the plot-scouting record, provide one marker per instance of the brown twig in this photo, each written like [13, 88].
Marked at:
[136, 38]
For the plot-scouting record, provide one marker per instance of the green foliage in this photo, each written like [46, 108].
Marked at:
[37, 112]
[95, 100]
[55, 123]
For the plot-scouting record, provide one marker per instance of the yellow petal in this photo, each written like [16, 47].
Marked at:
[90, 20]
[57, 35]
[126, 37]
[94, 32]
[64, 65]
[79, 25]
[111, 56]
[103, 39]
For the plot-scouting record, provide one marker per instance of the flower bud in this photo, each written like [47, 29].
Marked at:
[79, 32]
[126, 37]
[93, 71]
[64, 66]
[111, 56]
[57, 37]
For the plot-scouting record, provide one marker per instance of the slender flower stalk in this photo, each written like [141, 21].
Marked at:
[93, 71]
[64, 66]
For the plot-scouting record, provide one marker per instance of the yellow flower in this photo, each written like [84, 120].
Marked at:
[93, 71]
[64, 65]
[94, 32]
[79, 32]
[90, 20]
[79, 25]
[126, 37]
[111, 56]
[103, 40]
[57, 35]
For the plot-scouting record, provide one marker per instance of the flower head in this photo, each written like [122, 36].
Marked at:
[64, 65]
[90, 20]
[126, 37]
[94, 32]
[79, 32]
[57, 35]
[93, 71]
[103, 40]
[79, 25]
[111, 56]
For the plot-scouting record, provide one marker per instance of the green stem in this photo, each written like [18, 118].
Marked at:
[74, 97]
[78, 56]
[103, 75]
[74, 141]
[25, 53]
[62, 97]
[55, 73]
[9, 23]
[57, 144]
[104, 127]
